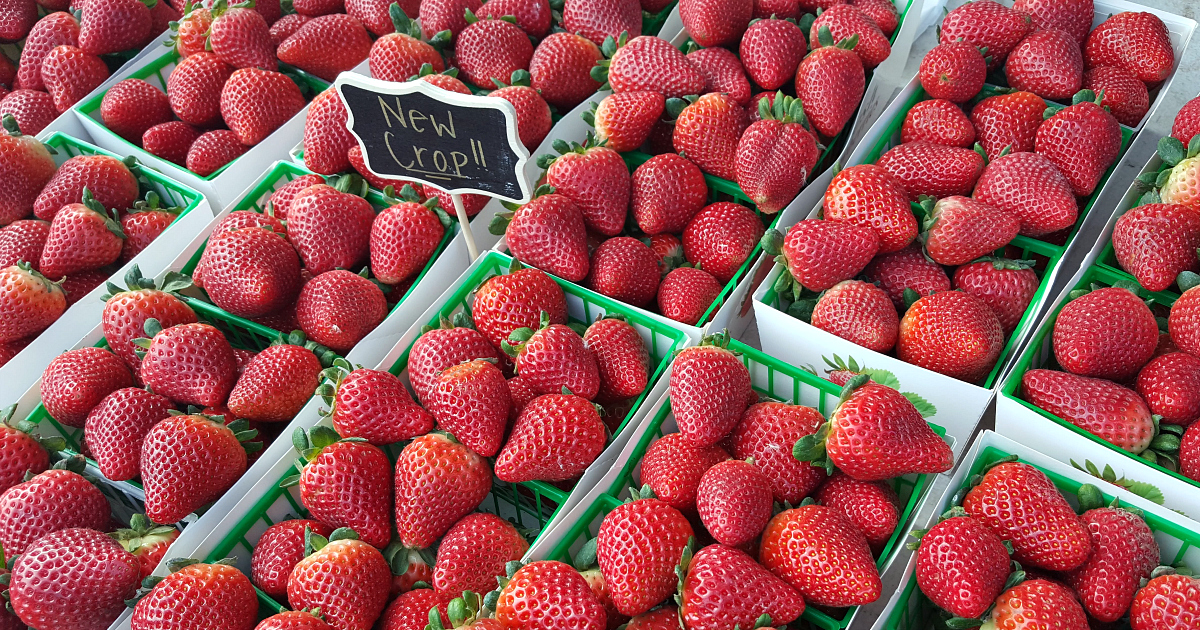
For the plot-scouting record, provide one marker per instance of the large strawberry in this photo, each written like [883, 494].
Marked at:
[331, 226]
[277, 382]
[771, 50]
[716, 22]
[687, 294]
[50, 501]
[1169, 385]
[626, 269]
[766, 432]
[344, 577]
[475, 551]
[1082, 140]
[404, 236]
[189, 460]
[599, 20]
[23, 240]
[327, 45]
[1031, 187]
[471, 401]
[533, 113]
[1156, 242]
[373, 405]
[533, 16]
[56, 29]
[819, 254]
[986, 24]
[490, 49]
[1166, 602]
[962, 566]
[621, 356]
[830, 81]
[668, 190]
[543, 594]
[24, 452]
[1138, 42]
[1114, 413]
[623, 121]
[438, 481]
[77, 380]
[212, 150]
[872, 506]
[1124, 553]
[556, 438]
[1008, 120]
[561, 69]
[709, 390]
[923, 168]
[1187, 121]
[952, 333]
[26, 168]
[30, 302]
[278, 550]
[70, 74]
[116, 427]
[734, 501]
[638, 547]
[672, 468]
[845, 21]
[250, 271]
[870, 196]
[345, 483]
[1020, 504]
[721, 237]
[724, 585]
[82, 237]
[1121, 93]
[954, 71]
[194, 88]
[595, 178]
[959, 230]
[1047, 63]
[859, 312]
[147, 541]
[170, 141]
[145, 222]
[193, 590]
[1007, 286]
[441, 348]
[108, 179]
[1074, 16]
[399, 55]
[776, 154]
[1107, 333]
[338, 308]
[256, 102]
[326, 141]
[188, 363]
[708, 131]
[515, 300]
[649, 63]
[822, 555]
[241, 37]
[548, 233]
[940, 122]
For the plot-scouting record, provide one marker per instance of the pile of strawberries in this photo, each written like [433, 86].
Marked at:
[68, 52]
[287, 268]
[66, 229]
[1015, 554]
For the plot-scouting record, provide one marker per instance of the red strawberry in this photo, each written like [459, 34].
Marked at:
[959, 230]
[923, 168]
[287, 25]
[1168, 386]
[962, 566]
[1138, 42]
[125, 312]
[77, 380]
[1031, 187]
[672, 468]
[212, 150]
[475, 551]
[1081, 140]
[708, 131]
[399, 55]
[1040, 602]
[954, 71]
[515, 300]
[716, 22]
[1185, 127]
[845, 21]
[17, 19]
[626, 269]
[78, 574]
[27, 167]
[554, 357]
[830, 81]
[638, 547]
[326, 138]
[651, 63]
[1165, 603]
[940, 122]
[533, 16]
[330, 228]
[721, 237]
[404, 237]
[686, 294]
[882, 12]
[346, 484]
[198, 591]
[254, 103]
[441, 348]
[734, 501]
[411, 609]
[723, 72]
[276, 382]
[471, 400]
[596, 179]
[1107, 333]
[293, 619]
[723, 585]
[859, 312]
[23, 240]
[548, 232]
[776, 155]
[1074, 17]
[24, 453]
[281, 199]
[820, 254]
[327, 45]
[170, 141]
[50, 501]
[56, 29]
[108, 179]
[872, 197]
[188, 363]
[191, 35]
[375, 406]
[709, 389]
[438, 481]
[251, 271]
[118, 424]
[445, 15]
[771, 50]
[872, 506]
[338, 308]
[1123, 94]
[556, 437]
[345, 578]
[194, 88]
[317, 8]
[1124, 553]
[82, 237]
[987, 24]
[32, 110]
[142, 225]
[795, 539]
[146, 541]
[1183, 321]
[667, 191]
[1156, 242]
[600, 19]
[190, 460]
[664, 618]
[542, 594]
[241, 38]
[561, 70]
[491, 50]
[1007, 286]
[110, 26]
[1020, 504]
[621, 357]
[765, 433]
[29, 303]
[277, 552]
[952, 333]
[1106, 409]
[1008, 120]
[1047, 63]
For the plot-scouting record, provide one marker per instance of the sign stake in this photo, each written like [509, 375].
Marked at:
[465, 223]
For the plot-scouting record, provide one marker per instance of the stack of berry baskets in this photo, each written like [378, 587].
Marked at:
[536, 507]
[22, 370]
[1178, 543]
[768, 430]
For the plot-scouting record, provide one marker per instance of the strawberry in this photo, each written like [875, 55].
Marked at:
[533, 16]
[686, 294]
[170, 141]
[595, 178]
[830, 81]
[1137, 42]
[872, 506]
[1166, 602]
[962, 566]
[709, 388]
[776, 154]
[1156, 242]
[1184, 128]
[959, 229]
[445, 15]
[1116, 414]
[626, 269]
[664, 618]
[598, 20]
[471, 400]
[412, 609]
[1047, 63]
[764, 434]
[338, 308]
[111, 26]
[287, 25]
[1041, 602]
[146, 541]
[1082, 140]
[23, 240]
[281, 199]
[672, 468]
[721, 237]
[1166, 384]
[330, 227]
[191, 34]
[1031, 187]
[667, 250]
[474, 551]
[1007, 286]
[871, 197]
[845, 21]
[254, 103]
[251, 272]
[142, 224]
[441, 348]
[293, 619]
[491, 50]
[10, 349]
[1180, 186]
[1074, 17]
[17, 19]
[541, 594]
[1124, 553]
[723, 72]
[51, 501]
[734, 501]
[29, 302]
[621, 356]
[346, 578]
[190, 460]
[473, 204]
[23, 452]
[716, 22]
[650, 63]
[374, 405]
[193, 591]
[108, 179]
[795, 538]
[278, 551]
[194, 88]
[317, 8]
[954, 71]
[212, 150]
[49, 584]
[125, 312]
[188, 363]
[326, 138]
[438, 481]
[951, 333]
[638, 547]
[78, 380]
[1107, 333]
[929, 169]
[1020, 504]
[1008, 120]
[399, 55]
[359, 472]
[560, 69]
[771, 50]
[548, 232]
[708, 131]
[859, 312]
[667, 191]
[723, 585]
[882, 12]
[554, 358]
[56, 29]
[989, 24]
[32, 110]
[404, 237]
[1121, 93]
[515, 300]
[117, 425]
[276, 382]
[81, 284]
[241, 37]
[940, 122]
[327, 45]
[820, 254]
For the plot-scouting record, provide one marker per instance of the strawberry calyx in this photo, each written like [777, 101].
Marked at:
[518, 338]
[50, 285]
[461, 611]
[608, 48]
[402, 23]
[427, 69]
[785, 109]
[1009, 264]
[309, 445]
[1164, 446]
[461, 319]
[1175, 158]
[173, 283]
[499, 223]
[314, 542]
[1142, 489]
[110, 220]
[520, 78]
[151, 327]
[562, 147]
[811, 448]
[489, 601]
[401, 559]
[298, 338]
[51, 444]
[153, 203]
[331, 380]
[240, 428]
[825, 38]
[352, 184]
[143, 533]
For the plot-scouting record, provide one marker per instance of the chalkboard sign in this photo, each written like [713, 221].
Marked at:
[456, 142]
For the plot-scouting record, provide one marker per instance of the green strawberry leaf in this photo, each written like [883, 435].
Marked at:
[926, 408]
[883, 377]
[1171, 151]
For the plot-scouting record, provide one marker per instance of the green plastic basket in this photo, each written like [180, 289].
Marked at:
[156, 73]
[1177, 544]
[256, 200]
[778, 380]
[652, 23]
[1040, 354]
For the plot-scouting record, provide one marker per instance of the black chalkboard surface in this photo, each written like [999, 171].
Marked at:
[456, 142]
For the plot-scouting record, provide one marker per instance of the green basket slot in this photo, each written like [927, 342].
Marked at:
[652, 23]
[156, 73]
[256, 200]
[778, 380]
[1040, 354]
[914, 611]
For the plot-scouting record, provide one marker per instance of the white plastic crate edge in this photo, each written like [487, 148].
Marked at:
[933, 509]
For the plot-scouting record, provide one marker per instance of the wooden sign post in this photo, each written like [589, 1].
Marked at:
[462, 144]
